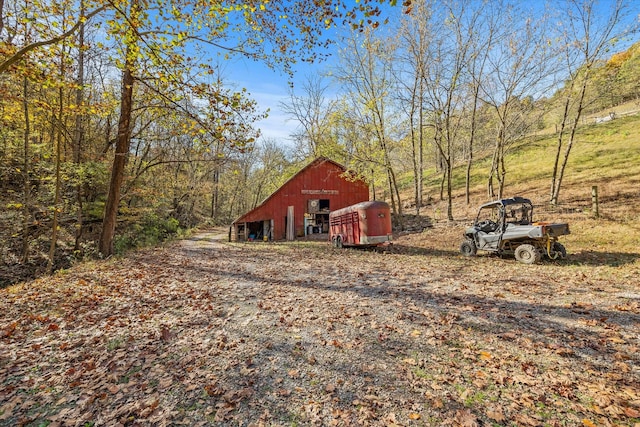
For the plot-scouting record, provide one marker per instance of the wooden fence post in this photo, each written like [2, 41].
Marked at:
[594, 201]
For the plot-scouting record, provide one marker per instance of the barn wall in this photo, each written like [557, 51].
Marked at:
[319, 180]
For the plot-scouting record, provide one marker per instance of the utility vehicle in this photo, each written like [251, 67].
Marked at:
[505, 227]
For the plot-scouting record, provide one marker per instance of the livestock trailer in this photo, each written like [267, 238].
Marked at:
[362, 224]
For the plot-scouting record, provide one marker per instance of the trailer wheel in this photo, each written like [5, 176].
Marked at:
[527, 254]
[339, 242]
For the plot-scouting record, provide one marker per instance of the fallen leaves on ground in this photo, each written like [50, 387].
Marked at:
[204, 333]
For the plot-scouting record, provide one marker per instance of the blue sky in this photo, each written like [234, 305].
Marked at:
[270, 87]
[267, 87]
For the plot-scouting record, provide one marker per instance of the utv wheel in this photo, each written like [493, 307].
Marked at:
[527, 254]
[468, 248]
[558, 251]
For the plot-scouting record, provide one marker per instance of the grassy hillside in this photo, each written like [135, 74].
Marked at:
[606, 155]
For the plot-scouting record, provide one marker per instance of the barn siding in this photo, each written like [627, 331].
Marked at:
[321, 179]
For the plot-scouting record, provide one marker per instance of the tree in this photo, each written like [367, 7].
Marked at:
[588, 36]
[312, 111]
[267, 174]
[518, 68]
[123, 141]
[78, 129]
[447, 77]
[26, 202]
[415, 35]
[365, 72]
[233, 131]
[49, 35]
[484, 29]
[275, 33]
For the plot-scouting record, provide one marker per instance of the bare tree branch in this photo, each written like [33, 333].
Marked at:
[4, 66]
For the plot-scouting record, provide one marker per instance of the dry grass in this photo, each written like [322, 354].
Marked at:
[605, 155]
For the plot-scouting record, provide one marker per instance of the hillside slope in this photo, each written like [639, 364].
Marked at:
[605, 155]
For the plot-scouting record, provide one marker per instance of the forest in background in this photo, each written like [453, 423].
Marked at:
[445, 86]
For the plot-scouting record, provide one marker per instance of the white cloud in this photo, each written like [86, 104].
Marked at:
[268, 88]
[278, 125]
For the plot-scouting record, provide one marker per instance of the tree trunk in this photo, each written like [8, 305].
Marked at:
[449, 194]
[391, 192]
[373, 185]
[123, 143]
[491, 193]
[421, 148]
[397, 191]
[565, 117]
[56, 200]
[26, 200]
[215, 195]
[472, 137]
[414, 161]
[78, 133]
[502, 174]
[558, 183]
[467, 174]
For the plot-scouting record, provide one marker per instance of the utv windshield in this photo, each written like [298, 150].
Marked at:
[519, 213]
[489, 213]
[497, 214]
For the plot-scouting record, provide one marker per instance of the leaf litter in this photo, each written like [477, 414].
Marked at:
[208, 333]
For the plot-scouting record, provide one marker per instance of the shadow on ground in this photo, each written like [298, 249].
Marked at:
[594, 258]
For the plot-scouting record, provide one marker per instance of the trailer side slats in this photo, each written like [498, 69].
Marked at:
[362, 224]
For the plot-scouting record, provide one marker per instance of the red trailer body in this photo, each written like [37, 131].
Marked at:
[362, 224]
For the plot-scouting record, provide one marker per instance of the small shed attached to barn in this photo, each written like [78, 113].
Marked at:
[303, 203]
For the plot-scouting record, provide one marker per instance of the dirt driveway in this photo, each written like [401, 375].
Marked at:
[204, 332]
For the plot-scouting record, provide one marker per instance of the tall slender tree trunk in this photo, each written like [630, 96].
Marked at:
[502, 174]
[449, 166]
[26, 199]
[467, 173]
[373, 185]
[565, 117]
[216, 192]
[449, 193]
[414, 161]
[123, 143]
[123, 139]
[421, 147]
[417, 147]
[58, 159]
[393, 184]
[574, 125]
[470, 145]
[498, 169]
[78, 133]
[491, 193]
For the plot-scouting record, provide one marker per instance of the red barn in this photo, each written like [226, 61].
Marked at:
[302, 205]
